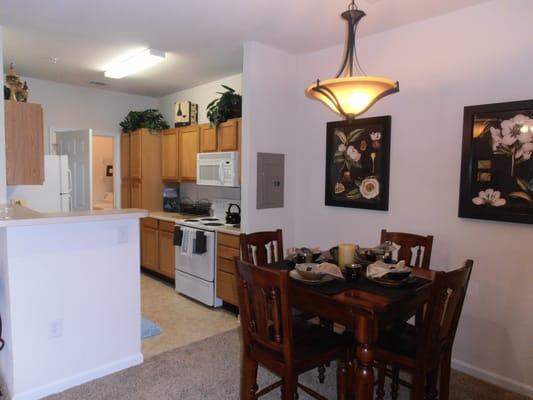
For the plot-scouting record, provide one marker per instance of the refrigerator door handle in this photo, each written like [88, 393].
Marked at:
[70, 203]
[69, 177]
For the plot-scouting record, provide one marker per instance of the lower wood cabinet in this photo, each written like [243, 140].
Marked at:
[149, 244]
[157, 246]
[167, 255]
[228, 246]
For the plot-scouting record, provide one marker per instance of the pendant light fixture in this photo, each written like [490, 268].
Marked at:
[351, 92]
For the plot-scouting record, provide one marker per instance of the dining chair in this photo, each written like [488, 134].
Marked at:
[262, 248]
[272, 340]
[407, 242]
[424, 351]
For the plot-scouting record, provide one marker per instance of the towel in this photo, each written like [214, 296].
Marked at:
[187, 242]
[379, 269]
[200, 246]
[330, 269]
[178, 236]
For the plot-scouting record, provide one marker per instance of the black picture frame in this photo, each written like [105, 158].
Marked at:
[352, 182]
[497, 162]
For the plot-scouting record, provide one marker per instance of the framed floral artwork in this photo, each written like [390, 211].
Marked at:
[497, 162]
[357, 163]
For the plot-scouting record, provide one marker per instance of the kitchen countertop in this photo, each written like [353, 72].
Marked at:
[177, 217]
[23, 216]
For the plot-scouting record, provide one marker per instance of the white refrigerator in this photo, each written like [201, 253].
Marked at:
[54, 195]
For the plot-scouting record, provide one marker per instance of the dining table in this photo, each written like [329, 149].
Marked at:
[362, 307]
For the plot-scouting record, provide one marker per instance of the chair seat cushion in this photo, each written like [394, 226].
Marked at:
[314, 344]
[397, 345]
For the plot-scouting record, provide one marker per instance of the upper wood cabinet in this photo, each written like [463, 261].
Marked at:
[142, 186]
[24, 143]
[189, 146]
[229, 135]
[125, 156]
[136, 154]
[208, 138]
[125, 191]
[169, 155]
[179, 147]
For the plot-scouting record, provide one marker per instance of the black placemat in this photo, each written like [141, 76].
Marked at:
[363, 284]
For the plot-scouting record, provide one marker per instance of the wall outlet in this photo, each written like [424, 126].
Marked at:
[122, 235]
[55, 329]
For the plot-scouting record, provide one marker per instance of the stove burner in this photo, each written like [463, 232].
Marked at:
[213, 224]
[191, 220]
[208, 219]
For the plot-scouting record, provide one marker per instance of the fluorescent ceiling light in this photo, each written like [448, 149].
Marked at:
[138, 62]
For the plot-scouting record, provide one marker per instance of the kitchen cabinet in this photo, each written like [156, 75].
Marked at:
[125, 156]
[136, 194]
[157, 247]
[167, 254]
[142, 186]
[136, 154]
[229, 135]
[208, 138]
[24, 139]
[188, 148]
[125, 189]
[149, 244]
[228, 246]
[169, 155]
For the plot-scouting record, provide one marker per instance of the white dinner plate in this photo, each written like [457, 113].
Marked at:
[296, 276]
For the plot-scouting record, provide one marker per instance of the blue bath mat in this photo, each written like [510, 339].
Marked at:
[149, 328]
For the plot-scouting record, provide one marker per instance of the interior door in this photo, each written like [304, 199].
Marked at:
[77, 145]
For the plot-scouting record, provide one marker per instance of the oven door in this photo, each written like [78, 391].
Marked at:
[201, 266]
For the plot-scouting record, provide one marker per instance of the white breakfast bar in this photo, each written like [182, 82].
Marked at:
[69, 298]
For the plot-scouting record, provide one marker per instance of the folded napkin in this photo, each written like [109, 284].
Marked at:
[379, 269]
[330, 269]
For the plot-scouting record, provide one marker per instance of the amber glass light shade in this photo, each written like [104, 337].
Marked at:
[351, 92]
[351, 96]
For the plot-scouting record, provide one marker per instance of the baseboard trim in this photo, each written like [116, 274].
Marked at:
[78, 379]
[493, 378]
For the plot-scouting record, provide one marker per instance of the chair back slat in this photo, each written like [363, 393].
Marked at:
[264, 306]
[408, 242]
[443, 312]
[262, 248]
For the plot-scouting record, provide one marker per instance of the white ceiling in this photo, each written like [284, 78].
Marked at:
[203, 39]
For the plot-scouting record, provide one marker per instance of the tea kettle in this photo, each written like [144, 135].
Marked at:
[233, 218]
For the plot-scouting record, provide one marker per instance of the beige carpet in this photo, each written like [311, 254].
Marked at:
[209, 370]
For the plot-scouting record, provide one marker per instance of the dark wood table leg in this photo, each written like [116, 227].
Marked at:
[364, 353]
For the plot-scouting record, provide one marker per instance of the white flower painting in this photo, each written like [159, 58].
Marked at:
[497, 162]
[357, 170]
[489, 197]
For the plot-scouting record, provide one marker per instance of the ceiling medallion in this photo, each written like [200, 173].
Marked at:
[351, 92]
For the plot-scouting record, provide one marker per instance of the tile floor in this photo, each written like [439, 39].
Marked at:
[182, 320]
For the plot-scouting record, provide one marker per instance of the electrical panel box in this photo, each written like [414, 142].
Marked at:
[270, 180]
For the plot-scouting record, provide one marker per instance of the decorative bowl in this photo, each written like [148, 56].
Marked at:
[309, 271]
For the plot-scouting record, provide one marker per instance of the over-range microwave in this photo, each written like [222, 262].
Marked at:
[218, 169]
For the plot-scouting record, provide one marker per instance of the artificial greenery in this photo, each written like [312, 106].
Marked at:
[150, 119]
[227, 106]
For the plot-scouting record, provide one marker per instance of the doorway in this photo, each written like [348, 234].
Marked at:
[103, 165]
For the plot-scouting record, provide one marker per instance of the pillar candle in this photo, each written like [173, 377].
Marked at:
[346, 254]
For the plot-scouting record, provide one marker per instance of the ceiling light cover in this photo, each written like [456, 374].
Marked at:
[351, 92]
[143, 60]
